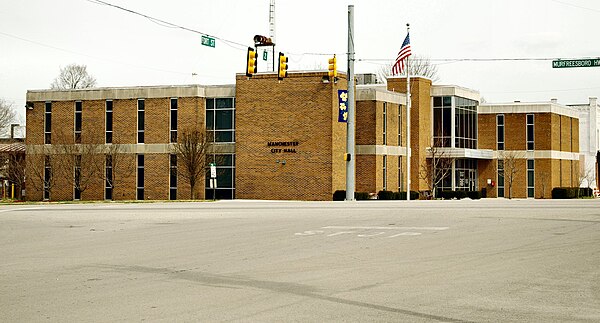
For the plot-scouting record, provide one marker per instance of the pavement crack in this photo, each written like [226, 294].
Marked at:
[223, 281]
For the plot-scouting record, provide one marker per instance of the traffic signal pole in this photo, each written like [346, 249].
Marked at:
[350, 126]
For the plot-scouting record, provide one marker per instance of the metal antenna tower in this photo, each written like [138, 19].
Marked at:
[271, 50]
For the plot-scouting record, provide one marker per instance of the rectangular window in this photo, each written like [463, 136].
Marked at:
[442, 113]
[77, 174]
[140, 177]
[225, 177]
[384, 123]
[140, 121]
[399, 125]
[220, 119]
[78, 111]
[465, 123]
[384, 172]
[530, 133]
[108, 186]
[530, 178]
[500, 178]
[47, 177]
[400, 175]
[48, 123]
[172, 177]
[109, 122]
[173, 120]
[500, 132]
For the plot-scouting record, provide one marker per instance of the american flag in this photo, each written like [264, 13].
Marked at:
[404, 52]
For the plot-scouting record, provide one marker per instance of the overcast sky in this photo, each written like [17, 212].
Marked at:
[37, 37]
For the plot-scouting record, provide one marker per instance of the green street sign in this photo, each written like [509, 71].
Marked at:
[208, 41]
[588, 62]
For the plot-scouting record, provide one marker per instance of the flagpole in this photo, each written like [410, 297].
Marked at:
[408, 104]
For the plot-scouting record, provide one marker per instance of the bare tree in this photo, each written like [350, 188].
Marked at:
[13, 166]
[510, 170]
[73, 76]
[192, 150]
[418, 66]
[7, 115]
[116, 164]
[79, 165]
[586, 174]
[437, 167]
[544, 178]
[41, 166]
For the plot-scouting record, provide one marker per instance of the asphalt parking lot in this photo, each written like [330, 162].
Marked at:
[258, 261]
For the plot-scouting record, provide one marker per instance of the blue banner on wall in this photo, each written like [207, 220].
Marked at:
[343, 106]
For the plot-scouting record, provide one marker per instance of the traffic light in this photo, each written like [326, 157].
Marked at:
[283, 66]
[251, 62]
[332, 67]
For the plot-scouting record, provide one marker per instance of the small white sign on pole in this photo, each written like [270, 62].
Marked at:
[213, 183]
[213, 170]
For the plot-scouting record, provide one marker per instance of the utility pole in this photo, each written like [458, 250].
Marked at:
[351, 160]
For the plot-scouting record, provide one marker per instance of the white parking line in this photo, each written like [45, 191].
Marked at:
[370, 235]
[388, 228]
[309, 233]
[406, 234]
[341, 232]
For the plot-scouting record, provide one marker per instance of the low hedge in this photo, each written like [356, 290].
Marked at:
[386, 195]
[571, 192]
[340, 195]
[448, 195]
[361, 196]
[414, 195]
[474, 195]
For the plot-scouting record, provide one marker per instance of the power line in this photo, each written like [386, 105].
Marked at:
[495, 59]
[576, 6]
[96, 57]
[168, 24]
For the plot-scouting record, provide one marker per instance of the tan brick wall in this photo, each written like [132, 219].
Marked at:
[392, 173]
[34, 132]
[575, 135]
[125, 121]
[515, 129]
[542, 126]
[555, 133]
[190, 114]
[543, 178]
[487, 131]
[156, 179]
[369, 131]
[366, 176]
[565, 133]
[366, 123]
[125, 179]
[488, 169]
[302, 109]
[157, 126]
[420, 123]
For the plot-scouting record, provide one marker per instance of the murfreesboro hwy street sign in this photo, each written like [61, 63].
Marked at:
[588, 62]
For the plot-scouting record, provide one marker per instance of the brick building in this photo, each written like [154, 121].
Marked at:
[282, 139]
[537, 144]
